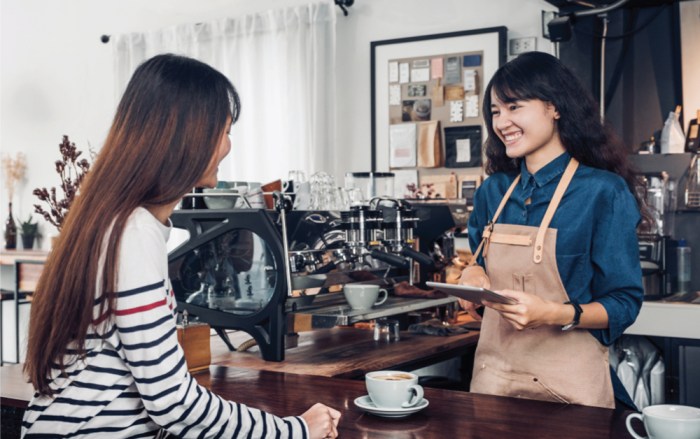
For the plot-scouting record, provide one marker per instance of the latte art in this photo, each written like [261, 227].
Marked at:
[394, 377]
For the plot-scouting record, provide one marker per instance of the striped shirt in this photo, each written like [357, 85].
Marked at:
[134, 379]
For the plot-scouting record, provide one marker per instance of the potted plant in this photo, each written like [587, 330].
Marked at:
[30, 231]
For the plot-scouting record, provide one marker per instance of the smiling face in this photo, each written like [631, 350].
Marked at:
[528, 129]
[210, 178]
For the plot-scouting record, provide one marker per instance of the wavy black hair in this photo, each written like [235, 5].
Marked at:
[538, 75]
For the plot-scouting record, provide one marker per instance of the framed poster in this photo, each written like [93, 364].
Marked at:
[417, 78]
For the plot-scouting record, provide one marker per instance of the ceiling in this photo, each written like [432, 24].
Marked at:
[580, 5]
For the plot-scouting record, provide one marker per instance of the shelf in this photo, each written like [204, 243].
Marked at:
[342, 314]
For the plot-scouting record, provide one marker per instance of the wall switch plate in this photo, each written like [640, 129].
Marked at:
[521, 45]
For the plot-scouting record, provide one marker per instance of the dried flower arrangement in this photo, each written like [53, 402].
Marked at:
[14, 169]
[72, 171]
[424, 192]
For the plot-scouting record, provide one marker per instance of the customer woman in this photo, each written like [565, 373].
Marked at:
[555, 227]
[103, 354]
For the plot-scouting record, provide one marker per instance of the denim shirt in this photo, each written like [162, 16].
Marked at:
[597, 248]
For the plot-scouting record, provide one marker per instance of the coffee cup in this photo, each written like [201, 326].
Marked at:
[393, 389]
[667, 421]
[364, 296]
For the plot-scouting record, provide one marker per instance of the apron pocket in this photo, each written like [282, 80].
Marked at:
[524, 282]
[515, 384]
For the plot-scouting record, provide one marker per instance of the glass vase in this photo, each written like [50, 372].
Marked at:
[10, 231]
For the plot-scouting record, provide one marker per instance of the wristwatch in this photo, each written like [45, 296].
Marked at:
[577, 316]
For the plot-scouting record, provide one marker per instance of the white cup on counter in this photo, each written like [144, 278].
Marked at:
[364, 296]
[393, 389]
[667, 421]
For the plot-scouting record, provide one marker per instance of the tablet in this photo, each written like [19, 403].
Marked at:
[472, 294]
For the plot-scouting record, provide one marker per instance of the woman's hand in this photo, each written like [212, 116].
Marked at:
[322, 421]
[530, 312]
[475, 276]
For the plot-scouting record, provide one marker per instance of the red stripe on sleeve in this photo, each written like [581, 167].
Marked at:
[138, 309]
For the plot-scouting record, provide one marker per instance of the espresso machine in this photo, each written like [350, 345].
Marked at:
[276, 272]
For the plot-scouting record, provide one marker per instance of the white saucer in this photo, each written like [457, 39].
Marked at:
[366, 404]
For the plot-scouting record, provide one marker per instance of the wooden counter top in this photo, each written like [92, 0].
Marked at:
[346, 352]
[449, 414]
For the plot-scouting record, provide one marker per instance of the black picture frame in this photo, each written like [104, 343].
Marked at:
[491, 41]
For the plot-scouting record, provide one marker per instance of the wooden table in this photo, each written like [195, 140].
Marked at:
[451, 414]
[346, 352]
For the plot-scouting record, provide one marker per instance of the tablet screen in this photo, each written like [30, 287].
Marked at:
[472, 294]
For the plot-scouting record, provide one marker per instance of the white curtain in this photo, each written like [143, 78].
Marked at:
[282, 63]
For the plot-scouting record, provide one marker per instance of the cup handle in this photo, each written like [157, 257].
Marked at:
[628, 422]
[384, 295]
[418, 389]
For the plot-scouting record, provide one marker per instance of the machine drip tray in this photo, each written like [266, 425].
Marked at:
[343, 314]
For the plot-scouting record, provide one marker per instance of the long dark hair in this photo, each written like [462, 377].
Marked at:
[165, 131]
[537, 75]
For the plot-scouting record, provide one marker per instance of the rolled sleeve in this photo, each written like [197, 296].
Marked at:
[617, 277]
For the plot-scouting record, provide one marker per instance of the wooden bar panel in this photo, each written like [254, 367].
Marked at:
[450, 413]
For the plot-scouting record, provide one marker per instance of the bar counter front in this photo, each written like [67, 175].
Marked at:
[449, 414]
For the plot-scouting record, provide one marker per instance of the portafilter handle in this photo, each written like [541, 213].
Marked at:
[391, 259]
[417, 256]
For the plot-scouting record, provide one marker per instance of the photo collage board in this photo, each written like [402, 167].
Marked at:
[435, 123]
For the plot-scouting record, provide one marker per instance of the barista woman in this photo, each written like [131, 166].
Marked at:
[103, 354]
[555, 228]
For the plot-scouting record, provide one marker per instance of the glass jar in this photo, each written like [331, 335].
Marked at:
[692, 184]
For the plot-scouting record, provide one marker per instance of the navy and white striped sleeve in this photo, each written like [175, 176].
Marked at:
[148, 337]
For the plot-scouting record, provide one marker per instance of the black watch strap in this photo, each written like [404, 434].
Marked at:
[577, 316]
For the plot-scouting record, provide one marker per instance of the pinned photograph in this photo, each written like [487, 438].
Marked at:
[420, 75]
[394, 94]
[454, 93]
[436, 68]
[472, 60]
[402, 145]
[403, 73]
[470, 80]
[453, 70]
[416, 90]
[407, 111]
[471, 106]
[415, 110]
[421, 109]
[456, 110]
[421, 64]
[393, 71]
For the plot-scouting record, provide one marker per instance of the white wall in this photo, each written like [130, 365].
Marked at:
[56, 76]
[690, 47]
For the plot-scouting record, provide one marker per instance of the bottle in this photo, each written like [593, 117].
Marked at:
[683, 259]
[692, 184]
[672, 136]
[10, 232]
[649, 147]
[692, 142]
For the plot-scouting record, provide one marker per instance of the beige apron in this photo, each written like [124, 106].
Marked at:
[545, 363]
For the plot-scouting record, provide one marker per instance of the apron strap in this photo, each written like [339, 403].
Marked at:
[549, 214]
[489, 227]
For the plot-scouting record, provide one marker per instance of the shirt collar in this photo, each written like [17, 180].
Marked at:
[548, 173]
